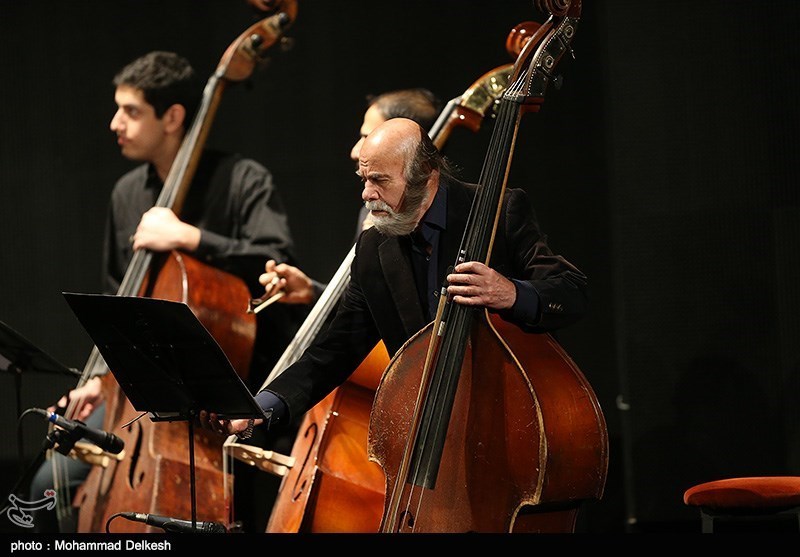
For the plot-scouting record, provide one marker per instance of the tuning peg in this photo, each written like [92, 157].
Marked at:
[256, 41]
[286, 44]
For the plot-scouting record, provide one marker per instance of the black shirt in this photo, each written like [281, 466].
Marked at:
[237, 207]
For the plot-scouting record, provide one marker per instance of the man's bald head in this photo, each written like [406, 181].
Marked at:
[398, 137]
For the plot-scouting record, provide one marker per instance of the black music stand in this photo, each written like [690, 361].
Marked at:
[18, 356]
[165, 361]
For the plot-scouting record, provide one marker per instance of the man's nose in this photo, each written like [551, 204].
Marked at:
[115, 123]
[369, 193]
[356, 150]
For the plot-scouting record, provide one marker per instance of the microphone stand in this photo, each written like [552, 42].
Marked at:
[65, 441]
[18, 355]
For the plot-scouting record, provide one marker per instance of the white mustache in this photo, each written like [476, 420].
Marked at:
[378, 205]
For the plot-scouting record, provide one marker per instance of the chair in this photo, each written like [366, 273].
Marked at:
[746, 499]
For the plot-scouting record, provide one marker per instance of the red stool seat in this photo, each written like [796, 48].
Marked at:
[754, 496]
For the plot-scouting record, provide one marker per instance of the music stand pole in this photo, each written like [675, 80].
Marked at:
[17, 371]
[192, 479]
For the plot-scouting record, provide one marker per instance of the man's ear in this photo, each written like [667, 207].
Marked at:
[174, 118]
[433, 182]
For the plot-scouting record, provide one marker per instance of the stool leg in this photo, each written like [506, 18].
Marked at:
[707, 523]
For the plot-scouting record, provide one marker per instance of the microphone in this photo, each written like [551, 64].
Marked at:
[103, 439]
[169, 524]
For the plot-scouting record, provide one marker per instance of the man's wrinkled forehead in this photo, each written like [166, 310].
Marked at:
[370, 173]
[369, 161]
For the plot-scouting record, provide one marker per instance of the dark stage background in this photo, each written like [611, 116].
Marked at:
[664, 167]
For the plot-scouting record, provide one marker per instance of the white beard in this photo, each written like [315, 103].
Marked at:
[402, 222]
[394, 223]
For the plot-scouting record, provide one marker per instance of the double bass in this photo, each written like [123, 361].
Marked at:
[152, 476]
[476, 424]
[329, 485]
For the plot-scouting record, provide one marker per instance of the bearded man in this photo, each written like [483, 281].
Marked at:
[419, 213]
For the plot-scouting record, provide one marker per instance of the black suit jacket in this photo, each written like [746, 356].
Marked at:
[381, 301]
